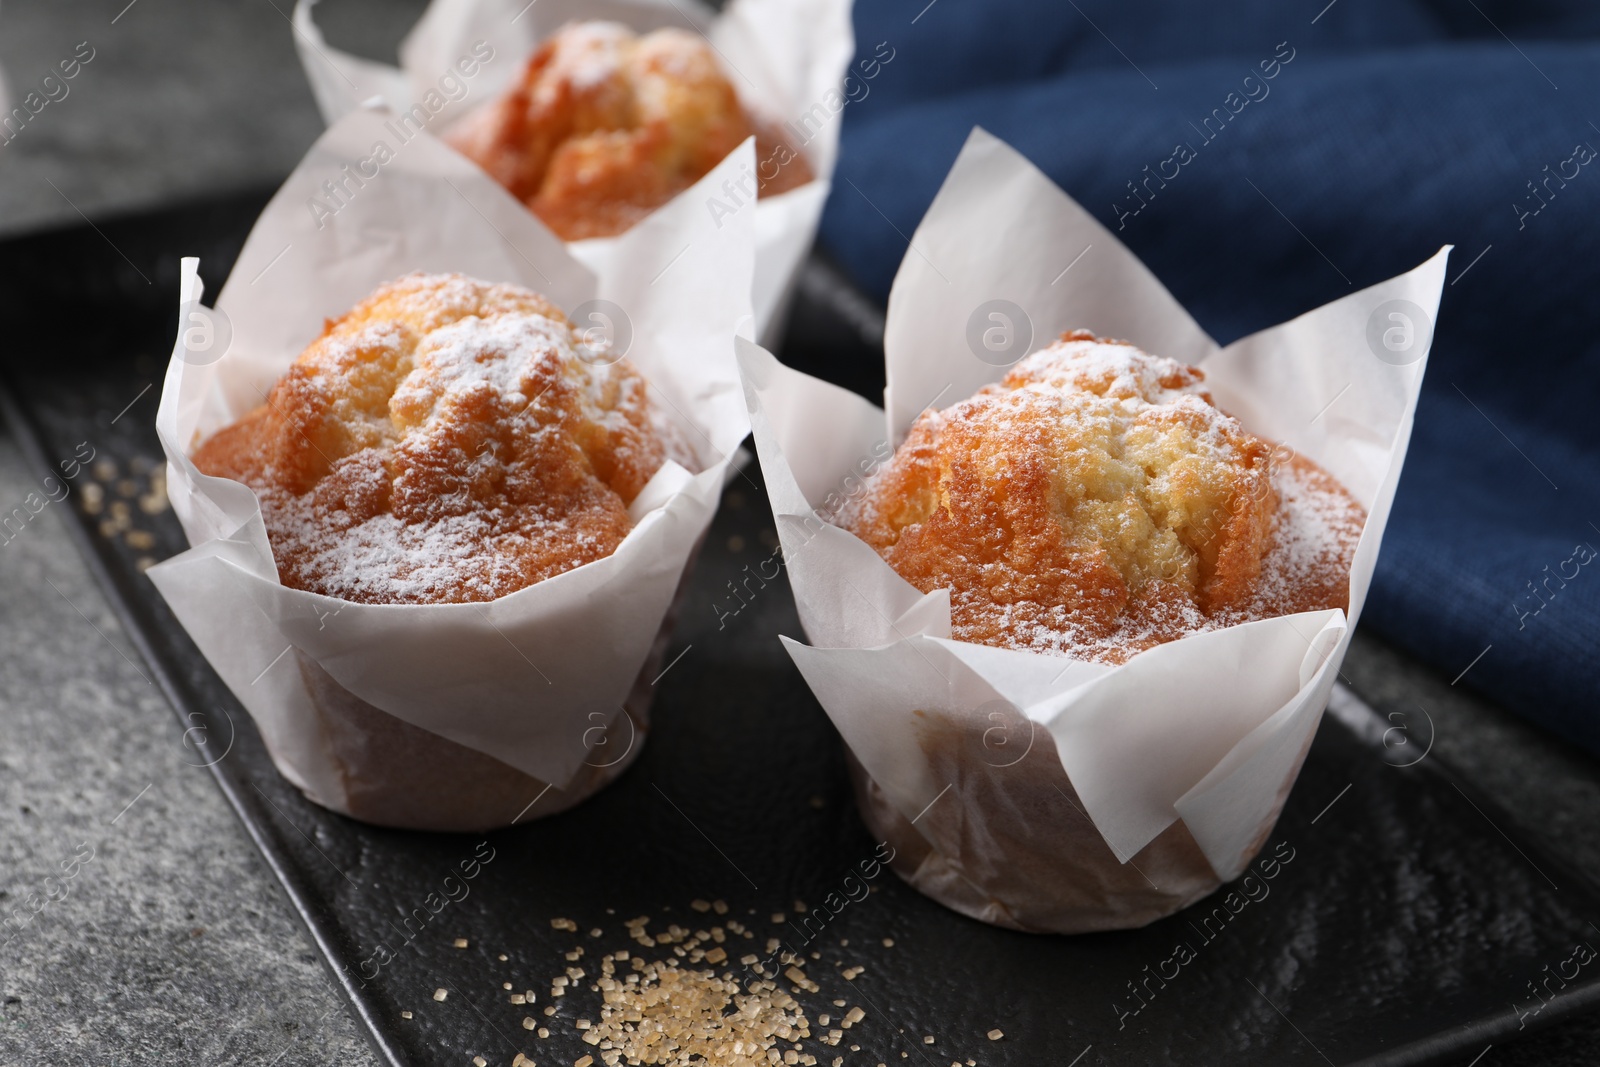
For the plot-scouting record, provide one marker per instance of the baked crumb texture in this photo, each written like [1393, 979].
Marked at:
[1096, 503]
[605, 125]
[447, 440]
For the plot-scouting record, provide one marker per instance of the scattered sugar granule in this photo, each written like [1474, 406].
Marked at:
[700, 905]
[460, 942]
[709, 1019]
[405, 1015]
[888, 942]
[440, 994]
[479, 1061]
[996, 1034]
[563, 924]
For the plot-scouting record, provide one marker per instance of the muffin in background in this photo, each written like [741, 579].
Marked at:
[604, 125]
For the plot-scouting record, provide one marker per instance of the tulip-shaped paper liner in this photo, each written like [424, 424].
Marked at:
[534, 677]
[786, 59]
[1209, 729]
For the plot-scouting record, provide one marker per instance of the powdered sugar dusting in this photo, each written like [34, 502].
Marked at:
[1095, 503]
[1306, 569]
[448, 440]
[1313, 543]
[591, 53]
[471, 557]
[1110, 369]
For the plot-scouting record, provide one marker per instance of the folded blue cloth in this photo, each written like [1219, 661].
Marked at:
[1329, 146]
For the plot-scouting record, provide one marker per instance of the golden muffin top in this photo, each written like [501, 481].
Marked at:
[1096, 502]
[605, 125]
[446, 440]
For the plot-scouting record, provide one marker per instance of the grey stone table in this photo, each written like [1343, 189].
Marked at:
[169, 941]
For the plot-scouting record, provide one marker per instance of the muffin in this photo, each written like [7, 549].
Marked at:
[1092, 504]
[603, 126]
[447, 441]
[1096, 502]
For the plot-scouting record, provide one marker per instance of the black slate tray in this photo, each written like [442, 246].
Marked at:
[1404, 928]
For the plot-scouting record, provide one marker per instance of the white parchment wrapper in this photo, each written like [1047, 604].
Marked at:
[785, 58]
[1207, 731]
[534, 679]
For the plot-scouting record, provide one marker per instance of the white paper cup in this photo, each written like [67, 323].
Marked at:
[1147, 784]
[391, 773]
[388, 712]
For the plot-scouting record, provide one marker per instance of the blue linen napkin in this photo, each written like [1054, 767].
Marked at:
[1329, 146]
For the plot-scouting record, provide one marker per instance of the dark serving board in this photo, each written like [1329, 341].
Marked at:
[1406, 928]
